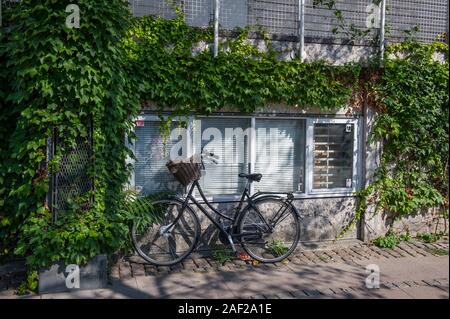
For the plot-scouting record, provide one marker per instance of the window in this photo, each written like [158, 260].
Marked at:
[309, 156]
[227, 138]
[150, 171]
[333, 156]
[280, 146]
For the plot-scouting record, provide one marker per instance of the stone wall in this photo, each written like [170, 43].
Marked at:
[321, 220]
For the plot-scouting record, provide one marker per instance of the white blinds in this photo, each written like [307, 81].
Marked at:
[283, 168]
[333, 156]
[151, 173]
[222, 178]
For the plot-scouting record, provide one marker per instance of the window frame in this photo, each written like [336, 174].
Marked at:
[309, 191]
[309, 156]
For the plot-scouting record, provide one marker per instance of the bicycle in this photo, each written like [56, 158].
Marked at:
[266, 225]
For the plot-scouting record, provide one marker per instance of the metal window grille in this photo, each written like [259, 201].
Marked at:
[70, 181]
[333, 156]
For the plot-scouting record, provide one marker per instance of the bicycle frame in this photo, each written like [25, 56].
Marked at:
[245, 198]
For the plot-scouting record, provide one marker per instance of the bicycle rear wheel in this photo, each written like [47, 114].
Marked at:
[169, 239]
[269, 232]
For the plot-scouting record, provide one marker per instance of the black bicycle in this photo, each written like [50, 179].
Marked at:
[266, 224]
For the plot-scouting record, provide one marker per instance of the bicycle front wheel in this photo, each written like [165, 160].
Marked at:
[170, 237]
[270, 231]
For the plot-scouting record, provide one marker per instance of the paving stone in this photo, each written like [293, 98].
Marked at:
[408, 250]
[201, 270]
[285, 295]
[311, 292]
[163, 269]
[299, 294]
[409, 283]
[258, 297]
[114, 272]
[345, 256]
[429, 282]
[335, 256]
[326, 291]
[272, 296]
[137, 270]
[309, 255]
[352, 254]
[396, 252]
[373, 253]
[388, 285]
[417, 250]
[386, 252]
[125, 270]
[201, 262]
[442, 282]
[239, 262]
[322, 256]
[358, 253]
[150, 270]
[303, 260]
[224, 268]
[176, 268]
[189, 264]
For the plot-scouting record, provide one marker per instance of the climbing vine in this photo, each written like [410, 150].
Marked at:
[411, 98]
[57, 80]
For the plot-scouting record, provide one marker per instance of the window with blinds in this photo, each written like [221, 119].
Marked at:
[151, 173]
[280, 155]
[306, 156]
[217, 137]
[333, 156]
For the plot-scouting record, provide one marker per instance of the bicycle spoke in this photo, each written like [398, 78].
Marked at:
[171, 238]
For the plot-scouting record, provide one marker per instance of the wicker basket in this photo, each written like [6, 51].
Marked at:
[185, 171]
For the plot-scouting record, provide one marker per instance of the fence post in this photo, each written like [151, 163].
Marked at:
[216, 26]
[301, 28]
[382, 27]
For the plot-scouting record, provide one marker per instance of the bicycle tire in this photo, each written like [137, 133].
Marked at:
[197, 227]
[245, 242]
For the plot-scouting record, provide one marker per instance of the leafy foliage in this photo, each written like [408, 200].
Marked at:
[414, 129]
[57, 79]
[240, 77]
[277, 247]
[429, 237]
[222, 254]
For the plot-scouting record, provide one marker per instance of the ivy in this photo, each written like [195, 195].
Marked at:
[411, 98]
[59, 80]
[240, 77]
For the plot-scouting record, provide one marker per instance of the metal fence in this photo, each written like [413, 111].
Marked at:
[281, 17]
[430, 16]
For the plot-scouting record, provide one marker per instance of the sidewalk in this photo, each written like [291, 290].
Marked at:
[410, 275]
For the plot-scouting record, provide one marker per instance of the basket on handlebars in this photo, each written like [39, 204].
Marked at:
[185, 171]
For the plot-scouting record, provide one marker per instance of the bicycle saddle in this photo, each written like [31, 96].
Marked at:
[253, 177]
